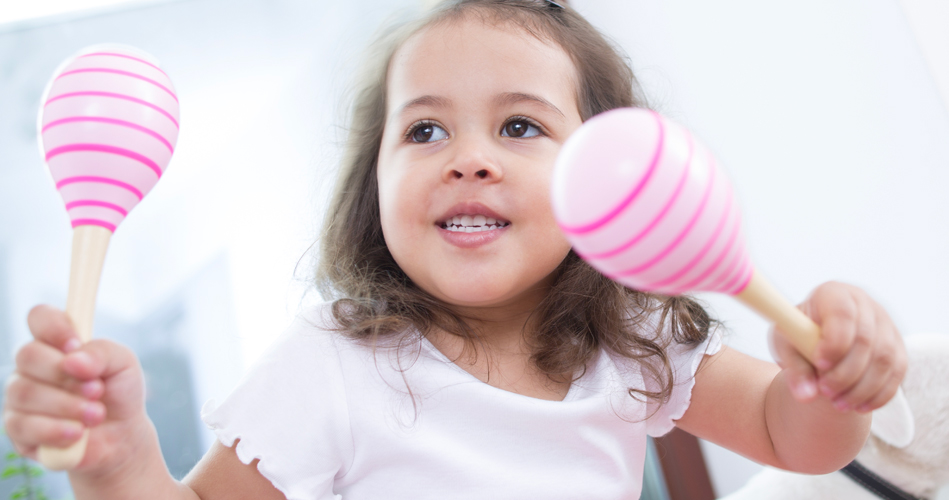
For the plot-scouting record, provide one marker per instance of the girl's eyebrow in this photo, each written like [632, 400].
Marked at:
[429, 101]
[504, 99]
[508, 98]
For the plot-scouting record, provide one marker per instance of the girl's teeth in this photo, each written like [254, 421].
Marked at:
[472, 229]
[472, 224]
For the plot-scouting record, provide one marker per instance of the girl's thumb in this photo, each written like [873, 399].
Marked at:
[798, 372]
[99, 358]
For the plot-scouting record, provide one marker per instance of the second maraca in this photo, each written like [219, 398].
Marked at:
[645, 204]
[108, 127]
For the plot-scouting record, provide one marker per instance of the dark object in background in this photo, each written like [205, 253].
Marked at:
[684, 467]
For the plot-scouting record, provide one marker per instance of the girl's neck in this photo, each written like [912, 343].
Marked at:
[504, 327]
[501, 357]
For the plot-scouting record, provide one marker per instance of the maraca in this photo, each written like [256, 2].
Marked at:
[645, 204]
[108, 125]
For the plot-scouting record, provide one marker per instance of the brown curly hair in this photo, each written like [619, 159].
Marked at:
[584, 311]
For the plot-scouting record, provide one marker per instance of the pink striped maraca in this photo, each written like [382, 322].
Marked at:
[645, 204]
[108, 125]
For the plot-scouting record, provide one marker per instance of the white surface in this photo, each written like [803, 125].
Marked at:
[928, 20]
[13, 11]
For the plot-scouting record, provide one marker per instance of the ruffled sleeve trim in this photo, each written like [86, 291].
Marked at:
[290, 412]
[245, 450]
[685, 360]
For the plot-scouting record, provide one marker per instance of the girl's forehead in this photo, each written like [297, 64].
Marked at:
[470, 59]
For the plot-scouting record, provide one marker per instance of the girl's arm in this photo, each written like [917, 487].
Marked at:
[220, 475]
[748, 406]
[744, 404]
[143, 476]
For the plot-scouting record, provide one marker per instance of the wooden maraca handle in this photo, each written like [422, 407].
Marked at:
[89, 246]
[792, 323]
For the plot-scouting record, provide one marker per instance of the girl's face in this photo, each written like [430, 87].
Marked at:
[476, 115]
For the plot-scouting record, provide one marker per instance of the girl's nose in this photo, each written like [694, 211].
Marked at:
[473, 161]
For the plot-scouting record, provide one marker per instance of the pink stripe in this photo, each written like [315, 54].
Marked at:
[733, 274]
[708, 244]
[732, 238]
[729, 274]
[96, 203]
[93, 222]
[632, 195]
[112, 121]
[695, 217]
[113, 54]
[749, 271]
[736, 286]
[662, 213]
[103, 148]
[100, 180]
[120, 72]
[117, 96]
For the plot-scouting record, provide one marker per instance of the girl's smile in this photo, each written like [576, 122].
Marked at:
[476, 116]
[469, 225]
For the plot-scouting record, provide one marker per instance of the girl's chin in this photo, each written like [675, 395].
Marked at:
[477, 296]
[474, 294]
[472, 300]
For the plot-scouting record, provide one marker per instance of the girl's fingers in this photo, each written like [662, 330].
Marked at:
[51, 326]
[843, 376]
[882, 397]
[30, 431]
[25, 395]
[99, 358]
[837, 313]
[41, 361]
[872, 382]
[882, 378]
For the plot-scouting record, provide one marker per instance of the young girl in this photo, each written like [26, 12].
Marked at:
[469, 353]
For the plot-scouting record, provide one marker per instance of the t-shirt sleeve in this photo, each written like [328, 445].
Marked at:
[290, 412]
[685, 359]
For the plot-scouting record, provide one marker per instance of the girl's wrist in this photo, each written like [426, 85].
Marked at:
[812, 437]
[140, 472]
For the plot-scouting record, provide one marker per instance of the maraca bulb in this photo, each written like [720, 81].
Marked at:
[645, 204]
[108, 125]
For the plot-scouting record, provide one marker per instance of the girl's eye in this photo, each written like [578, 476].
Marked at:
[519, 129]
[428, 132]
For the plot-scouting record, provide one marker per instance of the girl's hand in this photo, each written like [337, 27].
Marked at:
[61, 387]
[860, 359]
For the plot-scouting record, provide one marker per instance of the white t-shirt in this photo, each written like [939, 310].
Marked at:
[326, 417]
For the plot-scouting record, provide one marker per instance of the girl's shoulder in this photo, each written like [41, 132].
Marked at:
[315, 332]
[315, 347]
[651, 373]
[680, 353]
[291, 407]
[311, 340]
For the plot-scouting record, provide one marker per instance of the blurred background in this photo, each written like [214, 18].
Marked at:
[830, 118]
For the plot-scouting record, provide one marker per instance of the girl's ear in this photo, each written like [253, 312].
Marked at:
[893, 422]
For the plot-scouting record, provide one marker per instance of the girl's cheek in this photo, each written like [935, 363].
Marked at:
[388, 210]
[400, 200]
